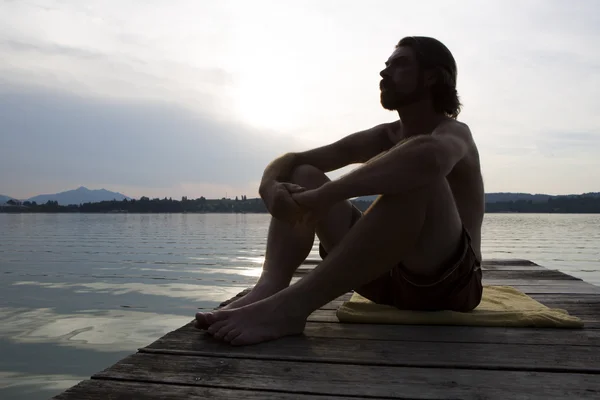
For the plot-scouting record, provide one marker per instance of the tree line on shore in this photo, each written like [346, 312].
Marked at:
[559, 204]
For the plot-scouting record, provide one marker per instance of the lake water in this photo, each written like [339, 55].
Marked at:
[78, 292]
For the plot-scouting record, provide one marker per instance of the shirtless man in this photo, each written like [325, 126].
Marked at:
[417, 247]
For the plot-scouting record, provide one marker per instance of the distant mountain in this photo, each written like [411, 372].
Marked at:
[85, 195]
[79, 196]
[4, 199]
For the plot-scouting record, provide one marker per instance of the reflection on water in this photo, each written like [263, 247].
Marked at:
[174, 290]
[81, 291]
[105, 331]
[15, 385]
[253, 272]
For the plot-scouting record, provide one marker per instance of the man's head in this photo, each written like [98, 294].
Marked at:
[420, 67]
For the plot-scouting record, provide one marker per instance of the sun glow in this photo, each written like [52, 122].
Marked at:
[269, 98]
[252, 272]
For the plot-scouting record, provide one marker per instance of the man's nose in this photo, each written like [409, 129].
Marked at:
[384, 73]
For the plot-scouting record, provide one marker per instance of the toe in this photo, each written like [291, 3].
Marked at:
[232, 334]
[214, 328]
[201, 322]
[239, 340]
[210, 318]
[199, 325]
[224, 331]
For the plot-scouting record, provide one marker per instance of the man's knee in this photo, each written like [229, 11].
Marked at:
[308, 176]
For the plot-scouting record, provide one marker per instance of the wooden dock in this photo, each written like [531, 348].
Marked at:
[333, 361]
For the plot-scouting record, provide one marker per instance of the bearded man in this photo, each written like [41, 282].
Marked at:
[417, 247]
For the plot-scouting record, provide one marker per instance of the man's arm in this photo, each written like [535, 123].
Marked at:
[358, 147]
[414, 163]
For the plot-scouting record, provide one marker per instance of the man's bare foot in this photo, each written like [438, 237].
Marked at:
[255, 323]
[261, 291]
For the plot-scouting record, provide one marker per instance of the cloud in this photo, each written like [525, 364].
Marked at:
[113, 74]
[66, 138]
[573, 146]
[307, 71]
[49, 48]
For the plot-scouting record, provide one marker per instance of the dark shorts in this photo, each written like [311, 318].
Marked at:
[458, 288]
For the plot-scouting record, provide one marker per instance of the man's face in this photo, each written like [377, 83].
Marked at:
[402, 83]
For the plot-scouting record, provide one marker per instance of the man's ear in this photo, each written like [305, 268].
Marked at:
[437, 75]
[431, 77]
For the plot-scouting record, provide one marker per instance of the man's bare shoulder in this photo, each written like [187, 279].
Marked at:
[456, 131]
[384, 134]
[453, 127]
[361, 146]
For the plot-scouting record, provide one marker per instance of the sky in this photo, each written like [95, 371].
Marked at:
[194, 98]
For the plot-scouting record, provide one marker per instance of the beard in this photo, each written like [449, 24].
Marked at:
[392, 99]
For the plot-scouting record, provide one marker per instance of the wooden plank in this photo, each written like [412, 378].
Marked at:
[303, 270]
[386, 352]
[500, 267]
[351, 380]
[103, 389]
[528, 275]
[586, 310]
[573, 298]
[573, 284]
[454, 334]
[572, 301]
[486, 262]
[580, 309]
[590, 318]
[556, 287]
[508, 262]
[325, 316]
[541, 273]
[430, 333]
[554, 300]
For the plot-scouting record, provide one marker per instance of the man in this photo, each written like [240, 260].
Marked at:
[417, 247]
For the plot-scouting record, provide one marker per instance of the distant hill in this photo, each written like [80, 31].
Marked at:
[83, 195]
[79, 196]
[535, 198]
[4, 199]
[505, 196]
[498, 197]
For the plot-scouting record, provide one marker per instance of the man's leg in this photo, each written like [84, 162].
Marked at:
[288, 246]
[396, 228]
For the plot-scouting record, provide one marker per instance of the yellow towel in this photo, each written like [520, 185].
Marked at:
[500, 306]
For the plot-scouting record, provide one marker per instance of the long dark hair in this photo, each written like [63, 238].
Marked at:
[432, 54]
